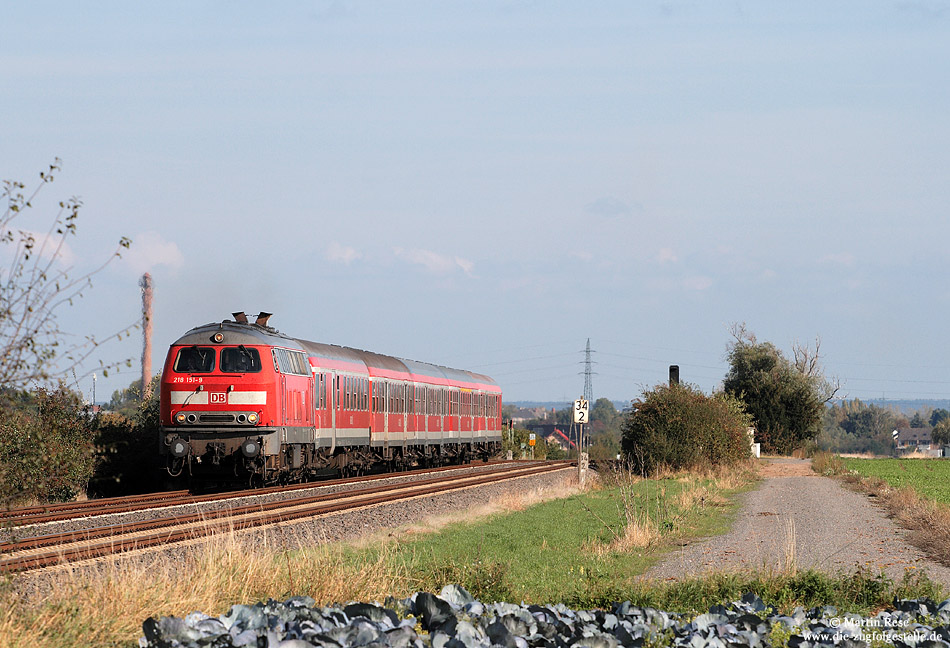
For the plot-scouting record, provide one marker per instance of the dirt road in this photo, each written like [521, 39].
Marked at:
[797, 517]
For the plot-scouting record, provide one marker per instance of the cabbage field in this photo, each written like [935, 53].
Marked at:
[929, 477]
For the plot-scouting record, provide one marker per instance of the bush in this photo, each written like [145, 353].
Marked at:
[680, 427]
[127, 459]
[46, 450]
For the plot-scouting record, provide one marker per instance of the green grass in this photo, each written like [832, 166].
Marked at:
[929, 477]
[555, 551]
[545, 554]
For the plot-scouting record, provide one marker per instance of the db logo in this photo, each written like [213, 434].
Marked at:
[219, 397]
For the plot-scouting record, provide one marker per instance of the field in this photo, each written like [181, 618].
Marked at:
[929, 477]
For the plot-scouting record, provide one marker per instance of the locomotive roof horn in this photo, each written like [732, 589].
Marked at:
[240, 317]
[262, 318]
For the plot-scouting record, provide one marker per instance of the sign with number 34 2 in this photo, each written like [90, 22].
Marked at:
[580, 410]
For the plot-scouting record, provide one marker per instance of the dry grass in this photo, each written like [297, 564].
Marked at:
[828, 464]
[510, 501]
[927, 520]
[646, 526]
[104, 604]
[789, 547]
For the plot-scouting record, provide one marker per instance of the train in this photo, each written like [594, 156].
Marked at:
[241, 401]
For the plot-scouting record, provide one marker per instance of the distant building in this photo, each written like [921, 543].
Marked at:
[523, 414]
[553, 433]
[914, 438]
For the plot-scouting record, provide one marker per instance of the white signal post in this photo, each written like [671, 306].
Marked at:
[581, 416]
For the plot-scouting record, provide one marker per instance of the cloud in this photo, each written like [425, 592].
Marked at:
[839, 258]
[697, 283]
[924, 10]
[666, 255]
[434, 262]
[149, 250]
[608, 206]
[342, 253]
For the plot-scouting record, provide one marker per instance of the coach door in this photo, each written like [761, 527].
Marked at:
[334, 404]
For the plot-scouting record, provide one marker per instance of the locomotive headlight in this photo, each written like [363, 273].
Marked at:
[252, 418]
[180, 418]
[218, 337]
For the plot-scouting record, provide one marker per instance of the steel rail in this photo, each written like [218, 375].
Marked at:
[54, 539]
[76, 509]
[110, 506]
[229, 519]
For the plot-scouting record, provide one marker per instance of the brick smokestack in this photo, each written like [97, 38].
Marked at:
[146, 284]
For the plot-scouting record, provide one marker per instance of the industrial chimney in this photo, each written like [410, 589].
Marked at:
[146, 284]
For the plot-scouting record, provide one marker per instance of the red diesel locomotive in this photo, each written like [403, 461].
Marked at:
[242, 399]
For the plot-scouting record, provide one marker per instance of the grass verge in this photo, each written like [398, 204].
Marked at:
[584, 550]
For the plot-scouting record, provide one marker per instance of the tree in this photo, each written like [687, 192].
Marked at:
[786, 399]
[941, 432]
[34, 289]
[678, 426]
[917, 421]
[126, 402]
[853, 426]
[603, 410]
[938, 415]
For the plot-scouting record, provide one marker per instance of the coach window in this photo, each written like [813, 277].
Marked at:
[195, 359]
[320, 384]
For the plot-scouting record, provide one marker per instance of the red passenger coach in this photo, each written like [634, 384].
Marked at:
[242, 400]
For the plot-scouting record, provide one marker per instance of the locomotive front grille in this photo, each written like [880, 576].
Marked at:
[216, 418]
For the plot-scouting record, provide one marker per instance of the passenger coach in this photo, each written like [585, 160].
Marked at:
[241, 399]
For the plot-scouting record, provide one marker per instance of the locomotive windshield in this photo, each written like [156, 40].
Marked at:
[195, 359]
[240, 359]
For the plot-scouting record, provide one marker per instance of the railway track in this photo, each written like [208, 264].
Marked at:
[107, 506]
[37, 551]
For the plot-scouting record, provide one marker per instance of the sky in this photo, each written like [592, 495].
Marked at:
[489, 185]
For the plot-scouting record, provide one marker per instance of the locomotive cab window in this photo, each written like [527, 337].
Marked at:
[195, 359]
[240, 359]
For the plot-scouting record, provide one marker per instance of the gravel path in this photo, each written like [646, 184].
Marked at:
[796, 515]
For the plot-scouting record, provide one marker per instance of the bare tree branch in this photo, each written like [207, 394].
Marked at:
[35, 287]
[807, 361]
